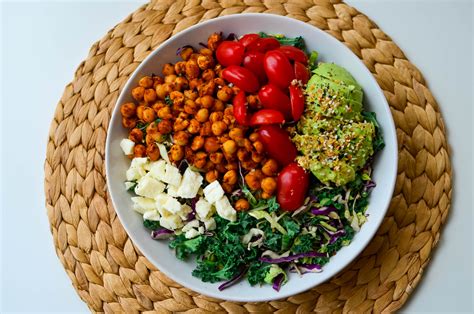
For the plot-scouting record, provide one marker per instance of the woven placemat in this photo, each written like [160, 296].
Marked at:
[111, 275]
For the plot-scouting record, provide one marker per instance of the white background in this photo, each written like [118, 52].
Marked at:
[42, 44]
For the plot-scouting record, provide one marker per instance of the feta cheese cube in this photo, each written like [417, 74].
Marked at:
[160, 201]
[201, 230]
[192, 224]
[210, 224]
[172, 175]
[172, 191]
[172, 205]
[171, 222]
[225, 209]
[184, 212]
[213, 192]
[139, 162]
[190, 184]
[143, 204]
[133, 174]
[157, 169]
[149, 187]
[191, 233]
[127, 146]
[204, 210]
[152, 215]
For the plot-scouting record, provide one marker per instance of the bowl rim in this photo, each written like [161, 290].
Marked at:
[357, 250]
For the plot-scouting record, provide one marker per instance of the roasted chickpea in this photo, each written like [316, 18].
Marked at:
[157, 80]
[219, 80]
[198, 143]
[180, 124]
[165, 127]
[180, 67]
[206, 129]
[229, 120]
[149, 114]
[153, 151]
[265, 195]
[181, 83]
[188, 154]
[181, 138]
[206, 52]
[257, 157]
[269, 185]
[200, 159]
[229, 111]
[139, 150]
[168, 69]
[206, 101]
[202, 115]
[219, 105]
[225, 93]
[236, 133]
[190, 94]
[128, 110]
[194, 83]
[207, 89]
[176, 152]
[216, 116]
[170, 79]
[194, 126]
[186, 53]
[253, 101]
[212, 175]
[240, 141]
[194, 56]
[146, 82]
[232, 166]
[190, 107]
[242, 205]
[230, 177]
[208, 75]
[229, 147]
[211, 144]
[192, 69]
[249, 164]
[228, 188]
[213, 41]
[165, 113]
[258, 147]
[216, 157]
[252, 181]
[149, 139]
[150, 95]
[140, 110]
[242, 154]
[158, 105]
[138, 93]
[270, 167]
[163, 90]
[136, 135]
[218, 128]
[177, 98]
[204, 62]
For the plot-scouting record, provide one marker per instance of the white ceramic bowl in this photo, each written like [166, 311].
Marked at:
[330, 50]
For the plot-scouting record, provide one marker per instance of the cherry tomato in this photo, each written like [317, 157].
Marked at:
[301, 72]
[297, 102]
[292, 186]
[267, 116]
[263, 45]
[254, 62]
[230, 53]
[277, 144]
[240, 108]
[278, 69]
[272, 97]
[247, 39]
[241, 77]
[294, 54]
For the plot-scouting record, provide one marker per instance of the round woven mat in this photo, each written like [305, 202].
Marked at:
[111, 275]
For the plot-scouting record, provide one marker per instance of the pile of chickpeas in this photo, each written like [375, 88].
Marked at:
[191, 105]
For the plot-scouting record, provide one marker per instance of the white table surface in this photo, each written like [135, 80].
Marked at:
[43, 42]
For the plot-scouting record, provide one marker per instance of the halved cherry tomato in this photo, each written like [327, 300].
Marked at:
[240, 108]
[294, 54]
[272, 97]
[247, 39]
[267, 116]
[241, 77]
[277, 144]
[278, 69]
[301, 72]
[254, 62]
[230, 53]
[297, 102]
[263, 45]
[292, 186]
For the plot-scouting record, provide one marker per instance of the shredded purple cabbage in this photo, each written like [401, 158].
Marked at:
[291, 257]
[369, 185]
[336, 235]
[306, 268]
[233, 280]
[277, 282]
[161, 234]
[323, 210]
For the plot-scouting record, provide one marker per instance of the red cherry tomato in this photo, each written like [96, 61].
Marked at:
[254, 62]
[277, 144]
[230, 53]
[301, 72]
[278, 69]
[297, 102]
[267, 116]
[241, 77]
[240, 108]
[263, 45]
[272, 97]
[294, 54]
[292, 187]
[247, 39]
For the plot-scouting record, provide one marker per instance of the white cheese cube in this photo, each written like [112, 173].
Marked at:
[191, 233]
[190, 184]
[204, 210]
[225, 209]
[172, 175]
[133, 174]
[152, 215]
[128, 185]
[184, 212]
[210, 224]
[171, 222]
[213, 192]
[192, 224]
[160, 201]
[172, 205]
[149, 187]
[172, 191]
[139, 162]
[143, 204]
[157, 169]
[127, 146]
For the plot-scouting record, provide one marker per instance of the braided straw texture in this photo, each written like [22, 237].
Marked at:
[111, 275]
